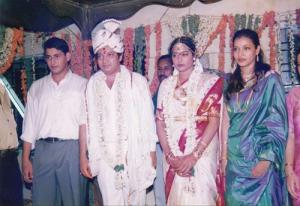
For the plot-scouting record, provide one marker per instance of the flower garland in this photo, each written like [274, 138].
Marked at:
[174, 24]
[190, 25]
[33, 43]
[291, 49]
[115, 160]
[24, 85]
[231, 25]
[139, 49]
[190, 117]
[147, 31]
[279, 47]
[155, 83]
[13, 44]
[269, 20]
[207, 25]
[128, 48]
[221, 29]
[87, 59]
[76, 60]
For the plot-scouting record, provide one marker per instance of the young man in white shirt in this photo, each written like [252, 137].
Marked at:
[54, 117]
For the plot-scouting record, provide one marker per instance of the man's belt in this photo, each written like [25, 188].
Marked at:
[53, 139]
[7, 152]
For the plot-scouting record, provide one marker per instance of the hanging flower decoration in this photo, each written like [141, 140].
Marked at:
[231, 25]
[12, 44]
[154, 84]
[128, 48]
[207, 25]
[24, 84]
[190, 25]
[269, 21]
[87, 58]
[77, 60]
[147, 31]
[291, 49]
[139, 49]
[221, 29]
[174, 24]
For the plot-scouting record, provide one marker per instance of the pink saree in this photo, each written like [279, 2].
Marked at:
[293, 105]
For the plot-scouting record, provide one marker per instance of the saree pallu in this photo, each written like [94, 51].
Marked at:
[258, 131]
[200, 188]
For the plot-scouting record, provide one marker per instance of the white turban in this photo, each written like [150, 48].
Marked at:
[104, 34]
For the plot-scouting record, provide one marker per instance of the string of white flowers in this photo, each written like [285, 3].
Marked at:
[116, 160]
[292, 48]
[277, 30]
[207, 25]
[6, 47]
[190, 113]
[33, 53]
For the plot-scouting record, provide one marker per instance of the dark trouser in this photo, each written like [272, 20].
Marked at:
[11, 189]
[56, 174]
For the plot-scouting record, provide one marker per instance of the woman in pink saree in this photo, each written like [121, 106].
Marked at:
[292, 166]
[187, 123]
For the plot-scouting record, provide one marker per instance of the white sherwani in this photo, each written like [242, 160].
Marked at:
[121, 131]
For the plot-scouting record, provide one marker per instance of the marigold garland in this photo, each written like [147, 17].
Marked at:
[155, 83]
[231, 25]
[221, 29]
[128, 48]
[87, 66]
[15, 46]
[269, 21]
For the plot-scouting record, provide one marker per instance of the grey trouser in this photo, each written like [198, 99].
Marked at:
[56, 174]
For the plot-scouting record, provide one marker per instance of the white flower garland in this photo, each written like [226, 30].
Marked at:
[190, 113]
[6, 47]
[292, 48]
[116, 160]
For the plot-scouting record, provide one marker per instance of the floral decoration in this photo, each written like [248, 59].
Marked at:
[12, 44]
[128, 48]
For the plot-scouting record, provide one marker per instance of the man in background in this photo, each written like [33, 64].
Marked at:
[11, 189]
[164, 70]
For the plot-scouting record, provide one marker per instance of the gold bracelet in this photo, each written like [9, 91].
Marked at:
[196, 155]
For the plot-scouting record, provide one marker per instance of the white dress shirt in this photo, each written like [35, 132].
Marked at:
[54, 110]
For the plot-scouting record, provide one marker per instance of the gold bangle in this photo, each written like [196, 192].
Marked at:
[196, 155]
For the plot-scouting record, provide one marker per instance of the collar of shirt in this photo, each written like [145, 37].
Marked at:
[63, 81]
